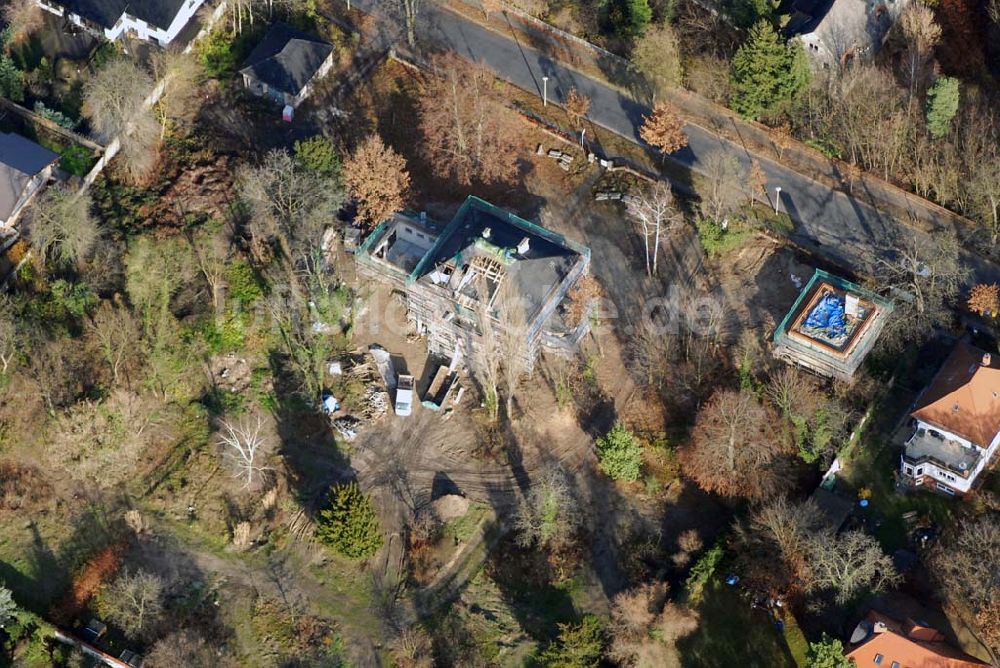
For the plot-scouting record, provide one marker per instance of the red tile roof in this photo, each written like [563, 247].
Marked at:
[893, 646]
[964, 397]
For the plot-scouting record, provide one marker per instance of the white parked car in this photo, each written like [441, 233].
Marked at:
[404, 395]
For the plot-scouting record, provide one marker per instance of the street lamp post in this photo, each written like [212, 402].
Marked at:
[545, 91]
[777, 199]
[582, 145]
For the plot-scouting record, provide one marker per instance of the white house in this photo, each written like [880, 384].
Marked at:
[838, 31]
[24, 168]
[153, 20]
[285, 65]
[956, 424]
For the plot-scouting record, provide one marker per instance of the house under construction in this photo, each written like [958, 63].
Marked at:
[484, 261]
[831, 327]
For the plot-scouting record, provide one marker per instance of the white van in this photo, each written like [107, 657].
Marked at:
[404, 395]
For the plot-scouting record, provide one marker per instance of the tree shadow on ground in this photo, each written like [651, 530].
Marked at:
[48, 572]
[314, 459]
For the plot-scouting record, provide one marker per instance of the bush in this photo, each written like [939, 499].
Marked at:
[244, 284]
[619, 454]
[350, 525]
[827, 653]
[629, 18]
[11, 79]
[216, 53]
[76, 160]
[702, 572]
[578, 646]
[56, 116]
[718, 241]
[317, 154]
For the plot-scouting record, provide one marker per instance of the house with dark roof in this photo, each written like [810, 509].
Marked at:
[956, 424]
[458, 279]
[24, 168]
[883, 642]
[153, 20]
[286, 64]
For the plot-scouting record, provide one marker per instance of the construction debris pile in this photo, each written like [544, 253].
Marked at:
[564, 159]
[349, 415]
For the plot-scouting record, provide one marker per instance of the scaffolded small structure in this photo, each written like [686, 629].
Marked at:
[831, 327]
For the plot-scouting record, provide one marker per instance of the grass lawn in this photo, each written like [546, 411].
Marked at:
[796, 641]
[871, 464]
[730, 633]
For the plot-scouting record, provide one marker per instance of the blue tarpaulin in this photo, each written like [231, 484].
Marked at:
[828, 315]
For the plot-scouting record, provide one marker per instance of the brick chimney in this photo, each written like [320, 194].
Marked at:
[987, 358]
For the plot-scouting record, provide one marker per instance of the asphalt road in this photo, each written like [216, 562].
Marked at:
[845, 230]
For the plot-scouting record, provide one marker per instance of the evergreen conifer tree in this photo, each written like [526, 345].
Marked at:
[766, 72]
[942, 105]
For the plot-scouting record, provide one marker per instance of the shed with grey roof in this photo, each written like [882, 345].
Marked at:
[24, 168]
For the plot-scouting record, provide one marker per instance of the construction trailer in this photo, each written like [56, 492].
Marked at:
[485, 260]
[831, 327]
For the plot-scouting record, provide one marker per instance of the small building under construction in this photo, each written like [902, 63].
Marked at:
[831, 327]
[485, 262]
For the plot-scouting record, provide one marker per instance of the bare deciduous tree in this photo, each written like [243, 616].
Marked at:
[249, 10]
[788, 388]
[212, 245]
[757, 183]
[376, 176]
[410, 10]
[735, 450]
[789, 525]
[720, 185]
[134, 602]
[118, 337]
[307, 348]
[657, 56]
[548, 516]
[577, 105]
[155, 270]
[645, 629]
[653, 208]
[664, 129]
[51, 365]
[9, 335]
[413, 648]
[289, 205]
[22, 18]
[114, 101]
[470, 134]
[485, 356]
[181, 648]
[61, 226]
[179, 74]
[967, 562]
[847, 564]
[926, 269]
[922, 34]
[984, 299]
[102, 443]
[491, 7]
[511, 313]
[984, 189]
[246, 447]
